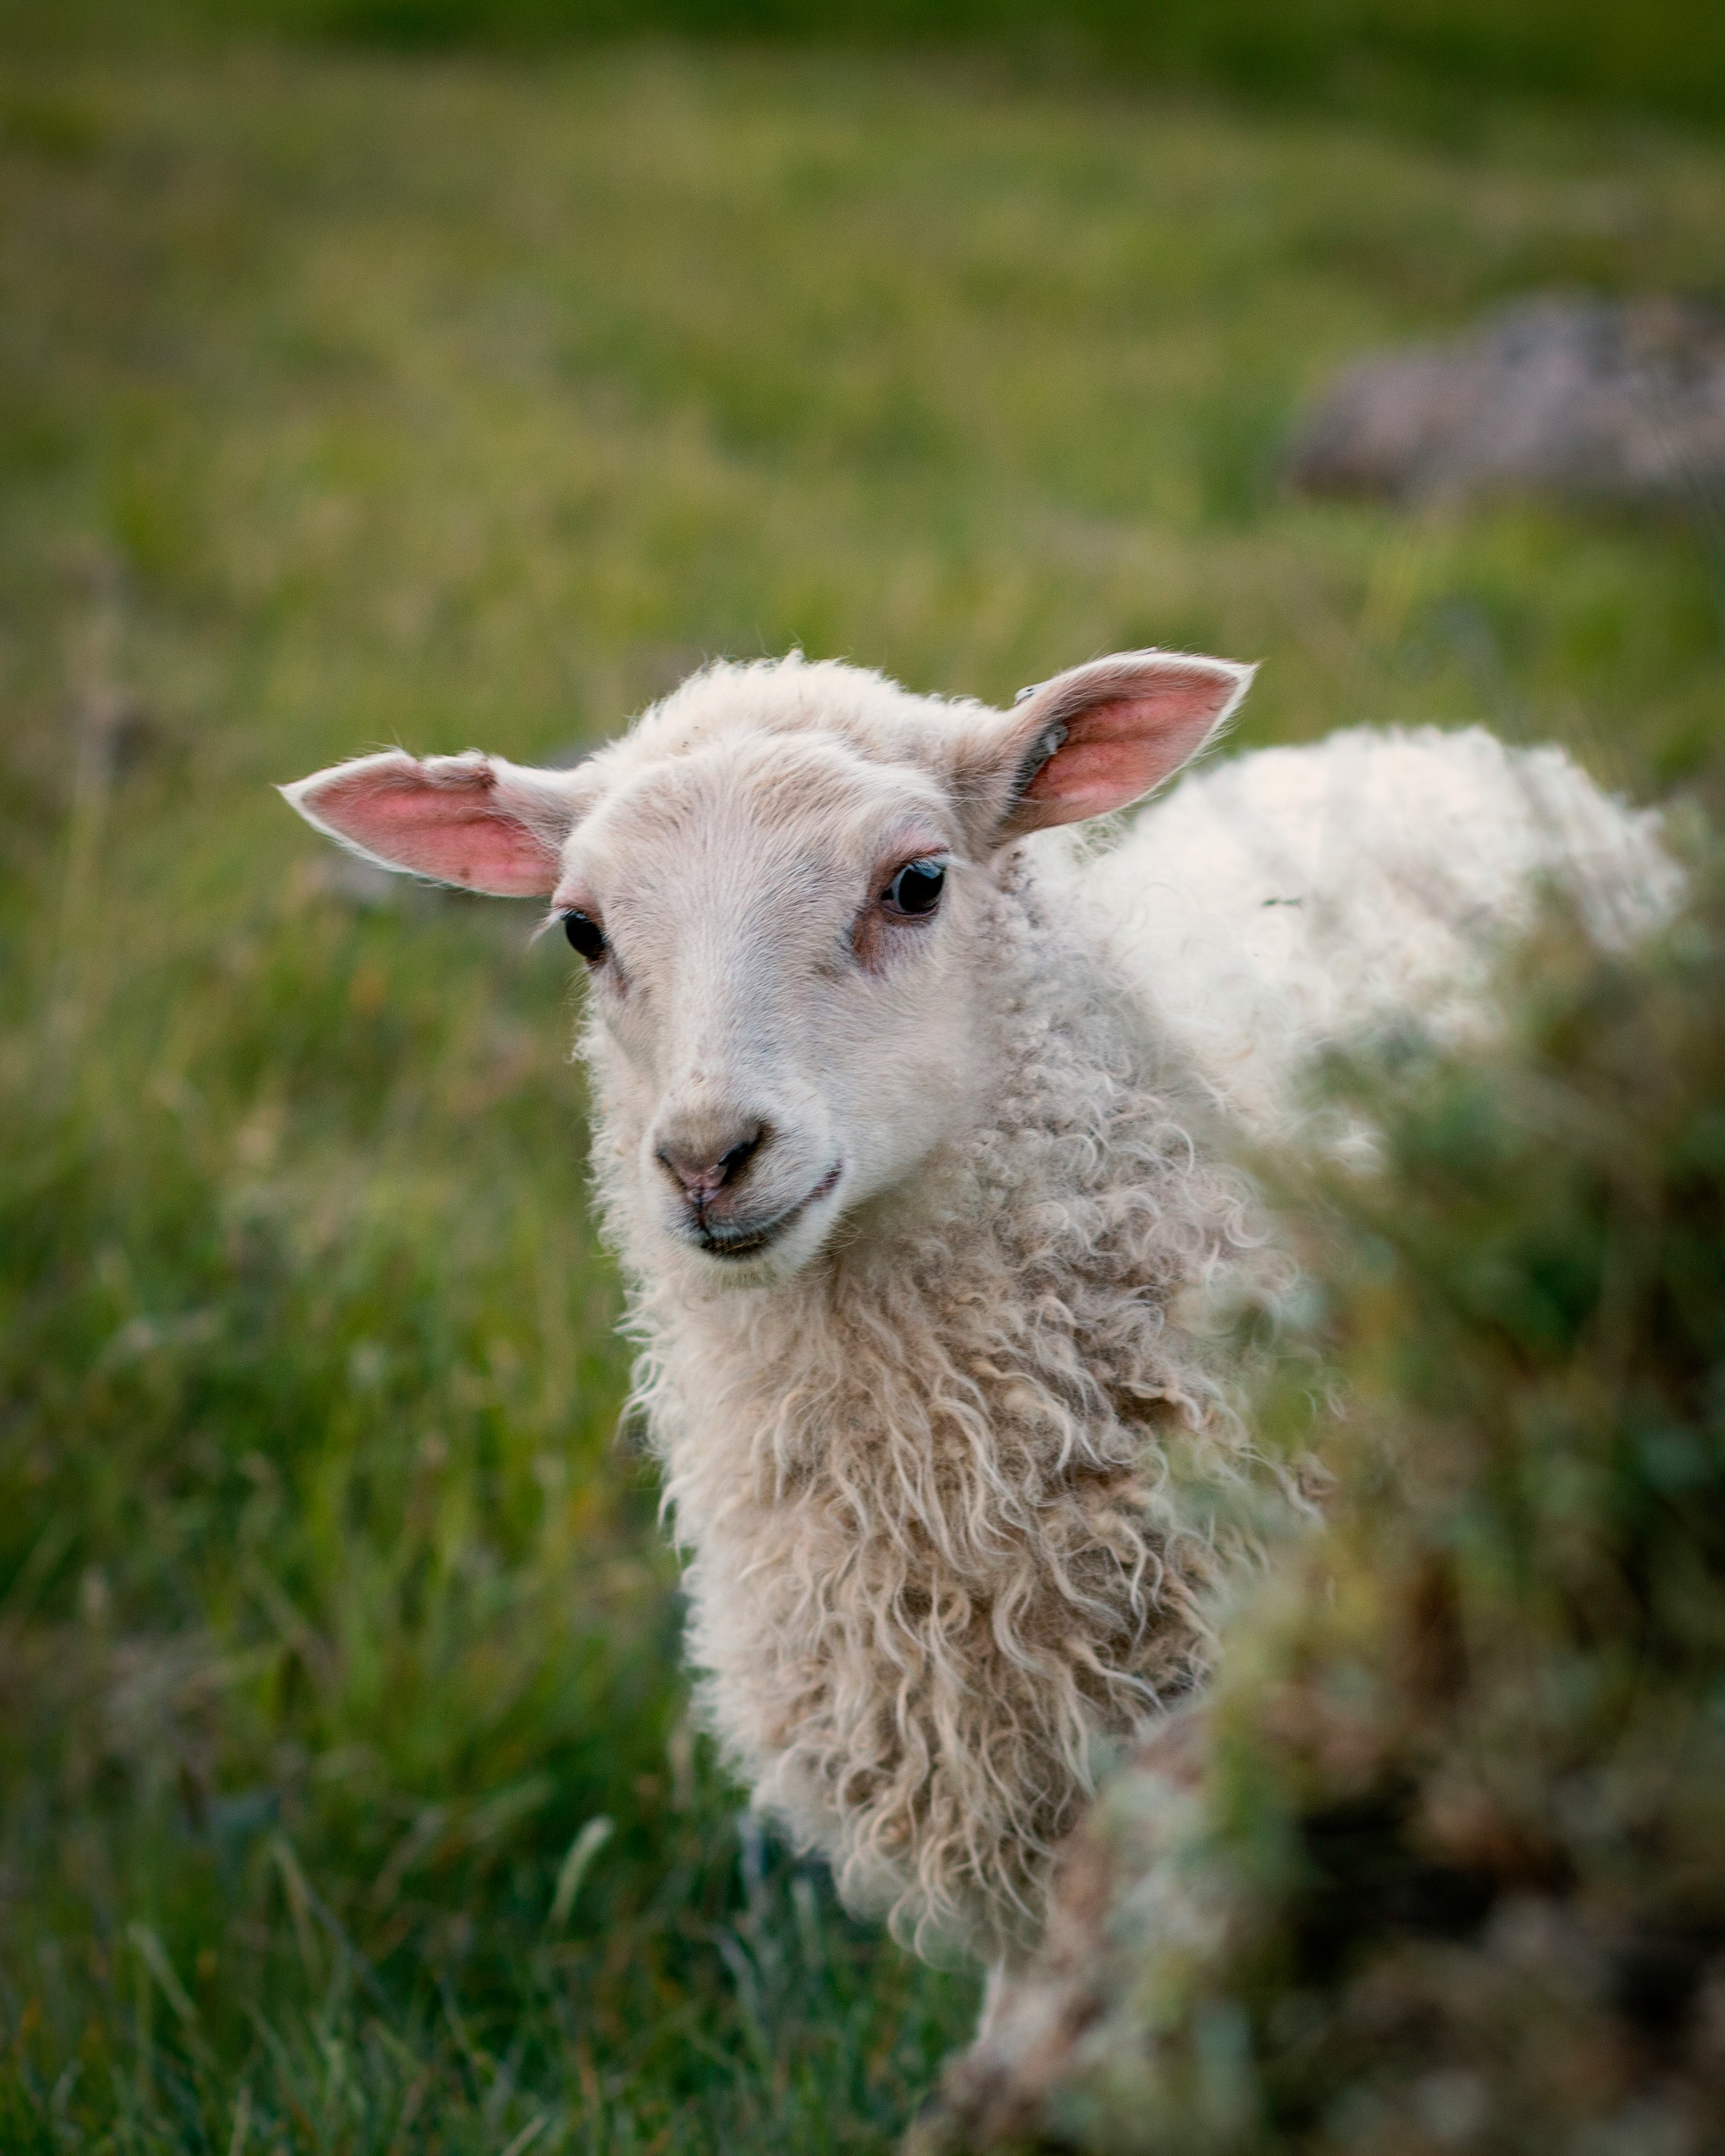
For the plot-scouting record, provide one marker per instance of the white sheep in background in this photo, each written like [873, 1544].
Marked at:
[894, 1085]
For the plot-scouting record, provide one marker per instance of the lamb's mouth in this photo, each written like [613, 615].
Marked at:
[750, 1242]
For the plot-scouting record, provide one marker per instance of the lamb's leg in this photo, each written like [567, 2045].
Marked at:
[1037, 2010]
[994, 1991]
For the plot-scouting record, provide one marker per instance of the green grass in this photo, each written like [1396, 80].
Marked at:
[347, 401]
[1430, 57]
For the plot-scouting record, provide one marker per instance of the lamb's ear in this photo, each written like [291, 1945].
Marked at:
[471, 819]
[1097, 736]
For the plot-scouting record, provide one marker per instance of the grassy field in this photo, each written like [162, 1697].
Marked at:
[1429, 57]
[345, 401]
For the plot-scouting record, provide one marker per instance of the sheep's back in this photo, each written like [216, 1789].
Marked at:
[1280, 901]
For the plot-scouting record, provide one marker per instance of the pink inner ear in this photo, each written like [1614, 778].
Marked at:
[1120, 746]
[449, 826]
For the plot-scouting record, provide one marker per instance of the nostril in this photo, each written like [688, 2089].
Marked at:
[731, 1164]
[701, 1173]
[695, 1179]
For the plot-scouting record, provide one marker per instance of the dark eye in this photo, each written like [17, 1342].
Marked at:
[587, 936]
[916, 887]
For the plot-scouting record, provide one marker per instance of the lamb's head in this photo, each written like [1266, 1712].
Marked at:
[779, 880]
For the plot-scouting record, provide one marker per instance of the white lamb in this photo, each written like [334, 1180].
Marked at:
[893, 1084]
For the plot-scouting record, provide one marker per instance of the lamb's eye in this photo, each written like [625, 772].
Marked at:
[916, 887]
[587, 936]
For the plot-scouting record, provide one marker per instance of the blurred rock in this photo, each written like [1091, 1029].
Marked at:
[1587, 399]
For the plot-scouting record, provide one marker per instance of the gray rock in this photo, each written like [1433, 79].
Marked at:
[1589, 400]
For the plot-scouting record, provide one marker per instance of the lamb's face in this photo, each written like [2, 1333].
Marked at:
[783, 964]
[779, 882]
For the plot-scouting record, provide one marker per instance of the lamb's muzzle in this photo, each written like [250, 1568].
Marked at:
[895, 1102]
[746, 1237]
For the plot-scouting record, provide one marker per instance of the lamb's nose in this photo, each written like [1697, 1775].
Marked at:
[703, 1166]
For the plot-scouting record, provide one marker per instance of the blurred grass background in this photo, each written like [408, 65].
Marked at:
[352, 394]
[1665, 56]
